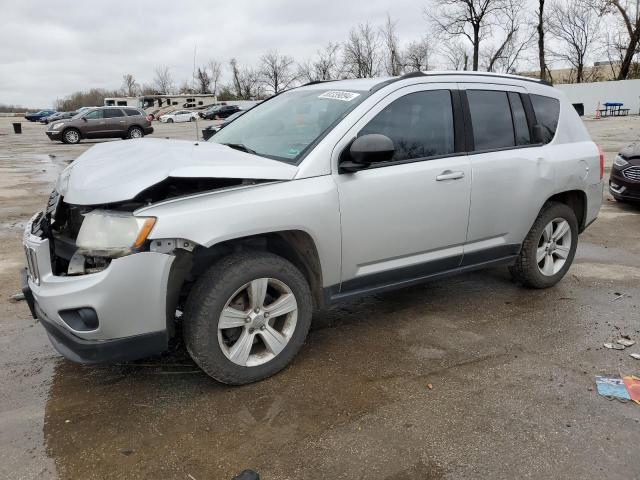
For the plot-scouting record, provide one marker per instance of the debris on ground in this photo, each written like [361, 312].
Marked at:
[17, 297]
[626, 341]
[247, 475]
[618, 296]
[612, 388]
[635, 355]
[429, 386]
[613, 346]
[632, 383]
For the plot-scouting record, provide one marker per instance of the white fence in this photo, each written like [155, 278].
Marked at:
[590, 94]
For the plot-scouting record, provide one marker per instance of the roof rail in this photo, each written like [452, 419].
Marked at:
[315, 82]
[463, 72]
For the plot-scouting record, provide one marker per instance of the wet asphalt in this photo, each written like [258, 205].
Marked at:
[511, 372]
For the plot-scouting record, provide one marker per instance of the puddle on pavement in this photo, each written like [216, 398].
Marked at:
[163, 418]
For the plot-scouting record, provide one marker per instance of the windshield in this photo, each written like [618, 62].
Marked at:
[284, 127]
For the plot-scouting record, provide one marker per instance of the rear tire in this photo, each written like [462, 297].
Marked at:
[223, 296]
[135, 132]
[170, 120]
[549, 248]
[71, 136]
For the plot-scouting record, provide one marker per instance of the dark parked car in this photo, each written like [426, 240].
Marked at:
[624, 181]
[34, 117]
[211, 130]
[102, 122]
[220, 111]
[57, 116]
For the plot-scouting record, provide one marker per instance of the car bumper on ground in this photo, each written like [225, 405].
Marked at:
[128, 298]
[623, 188]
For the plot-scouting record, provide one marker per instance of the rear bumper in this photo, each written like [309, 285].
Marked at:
[148, 130]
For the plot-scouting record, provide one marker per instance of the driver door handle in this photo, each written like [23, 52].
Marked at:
[449, 175]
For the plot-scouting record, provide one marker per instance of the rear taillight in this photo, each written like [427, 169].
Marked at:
[601, 162]
[149, 118]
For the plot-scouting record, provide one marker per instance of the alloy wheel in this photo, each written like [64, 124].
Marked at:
[553, 247]
[257, 322]
[72, 136]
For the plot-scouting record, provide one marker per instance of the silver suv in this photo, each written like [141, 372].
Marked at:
[320, 193]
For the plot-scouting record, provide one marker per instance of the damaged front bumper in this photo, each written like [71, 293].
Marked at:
[125, 304]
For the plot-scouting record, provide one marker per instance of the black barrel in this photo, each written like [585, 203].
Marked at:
[17, 127]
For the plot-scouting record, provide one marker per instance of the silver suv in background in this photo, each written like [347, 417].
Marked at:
[102, 122]
[324, 192]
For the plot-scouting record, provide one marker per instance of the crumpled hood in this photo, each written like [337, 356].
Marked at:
[117, 171]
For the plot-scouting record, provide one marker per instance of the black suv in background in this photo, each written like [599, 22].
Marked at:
[102, 122]
[219, 112]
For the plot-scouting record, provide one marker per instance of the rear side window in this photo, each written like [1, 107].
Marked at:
[520, 124]
[419, 124]
[132, 111]
[113, 113]
[491, 119]
[547, 111]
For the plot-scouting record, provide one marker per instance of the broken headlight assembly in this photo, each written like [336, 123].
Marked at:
[112, 234]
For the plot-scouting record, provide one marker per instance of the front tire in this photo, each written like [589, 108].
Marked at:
[71, 136]
[170, 120]
[247, 317]
[549, 248]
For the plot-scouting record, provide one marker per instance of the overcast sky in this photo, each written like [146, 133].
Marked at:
[49, 49]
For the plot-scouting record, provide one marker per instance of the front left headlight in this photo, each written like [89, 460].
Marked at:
[620, 162]
[112, 234]
[57, 126]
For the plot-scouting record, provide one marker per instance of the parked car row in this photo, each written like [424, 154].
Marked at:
[219, 112]
[211, 130]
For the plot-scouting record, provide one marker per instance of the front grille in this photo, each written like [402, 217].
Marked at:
[32, 265]
[632, 173]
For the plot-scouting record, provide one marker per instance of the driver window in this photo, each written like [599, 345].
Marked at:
[93, 115]
[419, 124]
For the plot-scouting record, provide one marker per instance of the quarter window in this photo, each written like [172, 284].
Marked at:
[132, 111]
[547, 111]
[113, 113]
[491, 118]
[419, 124]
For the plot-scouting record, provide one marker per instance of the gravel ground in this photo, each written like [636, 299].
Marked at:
[512, 372]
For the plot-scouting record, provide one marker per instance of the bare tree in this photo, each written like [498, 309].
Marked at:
[456, 55]
[574, 24]
[276, 71]
[163, 82]
[186, 87]
[246, 83]
[361, 56]
[215, 69]
[129, 85]
[392, 57]
[203, 80]
[323, 67]
[471, 19]
[516, 37]
[628, 15]
[417, 56]
[540, 29]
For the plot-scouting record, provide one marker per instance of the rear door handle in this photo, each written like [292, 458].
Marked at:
[449, 175]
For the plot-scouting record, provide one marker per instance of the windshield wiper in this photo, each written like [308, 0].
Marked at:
[240, 146]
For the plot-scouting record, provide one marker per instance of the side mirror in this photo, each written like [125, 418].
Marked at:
[538, 133]
[368, 149]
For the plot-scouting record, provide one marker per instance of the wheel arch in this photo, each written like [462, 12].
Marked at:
[577, 201]
[296, 246]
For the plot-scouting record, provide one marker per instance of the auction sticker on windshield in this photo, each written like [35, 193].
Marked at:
[339, 95]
